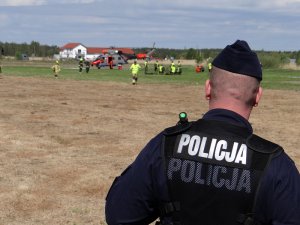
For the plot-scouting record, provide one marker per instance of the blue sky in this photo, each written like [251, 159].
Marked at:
[266, 25]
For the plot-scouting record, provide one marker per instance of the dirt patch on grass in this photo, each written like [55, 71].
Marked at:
[63, 142]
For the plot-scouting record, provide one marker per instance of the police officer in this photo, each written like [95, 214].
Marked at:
[213, 171]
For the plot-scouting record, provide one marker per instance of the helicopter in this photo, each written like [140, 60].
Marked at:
[111, 58]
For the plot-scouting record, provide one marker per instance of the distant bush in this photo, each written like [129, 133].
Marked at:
[18, 56]
[273, 59]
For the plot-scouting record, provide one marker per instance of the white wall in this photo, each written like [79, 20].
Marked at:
[72, 53]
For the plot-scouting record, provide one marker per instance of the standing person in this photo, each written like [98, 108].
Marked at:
[161, 69]
[1, 54]
[135, 68]
[146, 66]
[209, 66]
[87, 66]
[213, 171]
[110, 62]
[156, 65]
[198, 68]
[178, 69]
[80, 65]
[172, 68]
[0, 70]
[56, 69]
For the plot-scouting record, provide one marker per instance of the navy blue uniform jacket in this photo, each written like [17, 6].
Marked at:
[135, 196]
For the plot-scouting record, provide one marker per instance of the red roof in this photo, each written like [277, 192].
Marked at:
[70, 45]
[93, 50]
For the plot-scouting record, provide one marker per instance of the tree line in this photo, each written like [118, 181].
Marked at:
[269, 59]
[33, 49]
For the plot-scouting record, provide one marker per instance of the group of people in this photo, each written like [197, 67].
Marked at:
[159, 68]
[173, 69]
[134, 68]
[200, 68]
[83, 63]
[213, 171]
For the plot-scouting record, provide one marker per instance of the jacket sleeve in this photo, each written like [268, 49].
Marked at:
[278, 200]
[134, 195]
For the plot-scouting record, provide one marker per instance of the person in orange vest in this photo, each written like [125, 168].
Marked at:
[199, 68]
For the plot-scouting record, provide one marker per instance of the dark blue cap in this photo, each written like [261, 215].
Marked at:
[239, 58]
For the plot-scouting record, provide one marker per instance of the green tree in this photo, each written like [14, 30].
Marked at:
[18, 55]
[191, 54]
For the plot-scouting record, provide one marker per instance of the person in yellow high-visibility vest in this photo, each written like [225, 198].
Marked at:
[56, 69]
[209, 66]
[156, 66]
[135, 68]
[173, 68]
[161, 69]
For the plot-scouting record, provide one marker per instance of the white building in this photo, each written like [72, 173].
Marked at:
[73, 51]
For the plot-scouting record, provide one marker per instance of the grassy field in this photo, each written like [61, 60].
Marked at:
[279, 79]
[63, 141]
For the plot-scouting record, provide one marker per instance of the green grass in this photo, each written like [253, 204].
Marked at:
[272, 78]
[281, 79]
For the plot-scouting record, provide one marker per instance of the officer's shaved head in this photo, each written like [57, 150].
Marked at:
[226, 85]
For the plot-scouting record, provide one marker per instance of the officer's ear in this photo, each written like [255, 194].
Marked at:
[258, 96]
[207, 89]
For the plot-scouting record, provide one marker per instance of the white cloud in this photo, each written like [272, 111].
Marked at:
[278, 5]
[22, 2]
[247, 5]
[77, 1]
[44, 2]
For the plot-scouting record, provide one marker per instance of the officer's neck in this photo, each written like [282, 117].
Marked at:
[232, 106]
